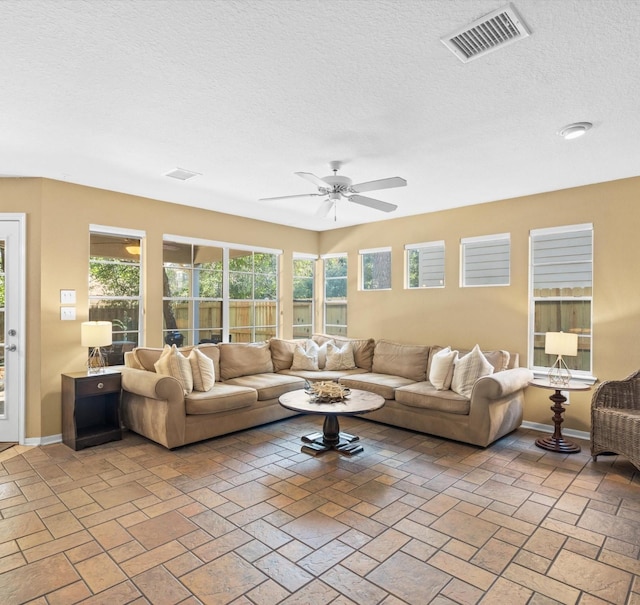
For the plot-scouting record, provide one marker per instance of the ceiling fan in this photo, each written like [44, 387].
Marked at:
[334, 187]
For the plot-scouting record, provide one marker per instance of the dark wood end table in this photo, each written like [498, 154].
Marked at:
[557, 443]
[331, 438]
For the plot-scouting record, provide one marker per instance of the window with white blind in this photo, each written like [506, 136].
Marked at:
[375, 269]
[561, 292]
[485, 260]
[335, 294]
[425, 265]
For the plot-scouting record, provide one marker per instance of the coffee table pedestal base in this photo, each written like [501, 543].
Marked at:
[331, 439]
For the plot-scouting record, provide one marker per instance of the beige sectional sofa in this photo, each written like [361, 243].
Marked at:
[249, 378]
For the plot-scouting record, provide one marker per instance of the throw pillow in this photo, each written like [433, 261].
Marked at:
[467, 370]
[303, 360]
[173, 363]
[202, 370]
[339, 358]
[441, 370]
[320, 351]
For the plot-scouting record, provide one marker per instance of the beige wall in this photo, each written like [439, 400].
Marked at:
[59, 215]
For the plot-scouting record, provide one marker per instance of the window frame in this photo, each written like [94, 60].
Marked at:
[140, 298]
[464, 271]
[227, 247]
[409, 248]
[341, 330]
[541, 371]
[313, 258]
[361, 258]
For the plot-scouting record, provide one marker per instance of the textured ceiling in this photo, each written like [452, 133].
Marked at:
[116, 94]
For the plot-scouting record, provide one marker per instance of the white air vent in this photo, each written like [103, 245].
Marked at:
[493, 31]
[181, 174]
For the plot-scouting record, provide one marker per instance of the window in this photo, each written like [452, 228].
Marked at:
[115, 286]
[425, 265]
[303, 295]
[375, 269]
[215, 293]
[486, 260]
[192, 298]
[335, 294]
[561, 292]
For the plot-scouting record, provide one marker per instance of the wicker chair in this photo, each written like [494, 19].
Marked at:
[615, 418]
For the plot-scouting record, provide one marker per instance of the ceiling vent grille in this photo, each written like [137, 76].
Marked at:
[181, 174]
[493, 31]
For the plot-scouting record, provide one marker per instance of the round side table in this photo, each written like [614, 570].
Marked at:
[557, 443]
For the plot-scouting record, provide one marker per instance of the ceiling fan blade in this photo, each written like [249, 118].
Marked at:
[394, 181]
[371, 203]
[288, 197]
[325, 208]
[312, 178]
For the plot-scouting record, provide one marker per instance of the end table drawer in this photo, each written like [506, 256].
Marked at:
[95, 385]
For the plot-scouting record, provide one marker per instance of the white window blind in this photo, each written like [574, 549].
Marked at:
[425, 265]
[486, 260]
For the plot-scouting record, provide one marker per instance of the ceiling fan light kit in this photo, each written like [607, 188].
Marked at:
[334, 187]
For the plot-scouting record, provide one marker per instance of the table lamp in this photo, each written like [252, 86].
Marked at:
[560, 343]
[95, 334]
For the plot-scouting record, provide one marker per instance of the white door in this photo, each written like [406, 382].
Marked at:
[12, 338]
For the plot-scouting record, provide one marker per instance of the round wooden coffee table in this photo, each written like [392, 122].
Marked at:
[358, 402]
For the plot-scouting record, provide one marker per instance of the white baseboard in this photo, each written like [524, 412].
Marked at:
[47, 440]
[547, 428]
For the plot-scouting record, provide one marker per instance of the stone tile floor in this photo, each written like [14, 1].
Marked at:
[249, 520]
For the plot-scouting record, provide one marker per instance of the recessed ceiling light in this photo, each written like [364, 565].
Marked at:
[575, 130]
[181, 174]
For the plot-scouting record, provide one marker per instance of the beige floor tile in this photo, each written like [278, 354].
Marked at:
[100, 572]
[161, 587]
[161, 530]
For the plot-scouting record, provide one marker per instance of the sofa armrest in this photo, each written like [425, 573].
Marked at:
[501, 384]
[152, 385]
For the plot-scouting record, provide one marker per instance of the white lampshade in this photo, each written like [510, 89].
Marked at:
[95, 333]
[561, 343]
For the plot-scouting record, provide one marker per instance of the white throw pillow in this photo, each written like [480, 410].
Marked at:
[319, 351]
[202, 370]
[339, 358]
[441, 370]
[173, 363]
[468, 369]
[303, 360]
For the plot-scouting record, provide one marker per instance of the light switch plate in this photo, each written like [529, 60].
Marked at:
[67, 313]
[68, 297]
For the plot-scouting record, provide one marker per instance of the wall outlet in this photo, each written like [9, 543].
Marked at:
[67, 313]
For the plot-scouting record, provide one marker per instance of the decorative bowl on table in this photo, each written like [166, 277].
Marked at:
[327, 392]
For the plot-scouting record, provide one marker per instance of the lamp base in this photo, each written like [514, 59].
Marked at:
[559, 374]
[96, 362]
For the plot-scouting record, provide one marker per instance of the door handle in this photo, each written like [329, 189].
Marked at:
[10, 347]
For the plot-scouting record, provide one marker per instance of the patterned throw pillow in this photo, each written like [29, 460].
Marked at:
[202, 370]
[303, 360]
[173, 363]
[339, 358]
[467, 370]
[441, 371]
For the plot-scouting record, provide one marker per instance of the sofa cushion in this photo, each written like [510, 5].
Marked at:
[381, 384]
[500, 360]
[441, 369]
[409, 361]
[220, 398]
[173, 363]
[362, 348]
[467, 370]
[243, 359]
[319, 375]
[282, 352]
[425, 395]
[269, 385]
[339, 358]
[213, 352]
[320, 351]
[202, 370]
[303, 360]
